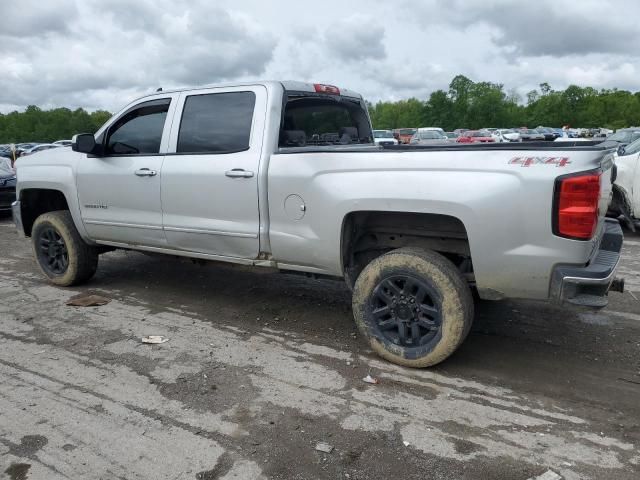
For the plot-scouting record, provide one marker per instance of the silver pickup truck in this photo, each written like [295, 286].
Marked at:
[286, 175]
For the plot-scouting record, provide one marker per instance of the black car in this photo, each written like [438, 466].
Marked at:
[549, 134]
[7, 187]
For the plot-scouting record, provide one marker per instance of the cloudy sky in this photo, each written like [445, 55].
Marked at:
[100, 54]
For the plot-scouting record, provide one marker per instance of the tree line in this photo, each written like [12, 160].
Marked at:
[36, 125]
[469, 104]
[466, 104]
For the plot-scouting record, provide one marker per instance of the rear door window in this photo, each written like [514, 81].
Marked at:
[216, 123]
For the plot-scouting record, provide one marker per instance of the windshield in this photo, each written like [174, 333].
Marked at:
[479, 133]
[632, 148]
[5, 167]
[622, 137]
[382, 134]
[407, 131]
[430, 136]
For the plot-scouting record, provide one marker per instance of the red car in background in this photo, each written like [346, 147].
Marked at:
[475, 136]
[403, 135]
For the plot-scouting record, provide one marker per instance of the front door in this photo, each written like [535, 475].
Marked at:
[119, 191]
[210, 175]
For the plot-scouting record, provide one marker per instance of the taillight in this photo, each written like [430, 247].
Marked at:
[576, 206]
[330, 89]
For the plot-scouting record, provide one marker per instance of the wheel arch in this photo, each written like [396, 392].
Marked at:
[34, 201]
[368, 234]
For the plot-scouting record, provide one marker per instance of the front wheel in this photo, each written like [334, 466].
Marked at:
[413, 306]
[63, 257]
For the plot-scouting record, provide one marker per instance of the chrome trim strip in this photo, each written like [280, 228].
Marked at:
[184, 253]
[118, 224]
[211, 232]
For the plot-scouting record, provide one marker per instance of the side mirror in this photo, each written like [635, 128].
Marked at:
[621, 151]
[83, 143]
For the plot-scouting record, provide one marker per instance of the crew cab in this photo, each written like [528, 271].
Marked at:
[285, 175]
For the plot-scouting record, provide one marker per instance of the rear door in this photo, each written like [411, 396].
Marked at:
[210, 176]
[119, 192]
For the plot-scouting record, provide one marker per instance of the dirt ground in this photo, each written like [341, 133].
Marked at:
[261, 367]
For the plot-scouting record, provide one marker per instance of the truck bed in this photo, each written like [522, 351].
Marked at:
[519, 146]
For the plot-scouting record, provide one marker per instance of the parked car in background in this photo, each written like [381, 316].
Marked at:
[63, 143]
[549, 133]
[475, 136]
[624, 136]
[452, 136]
[506, 135]
[403, 135]
[384, 137]
[530, 135]
[431, 129]
[7, 185]
[429, 137]
[39, 148]
[626, 188]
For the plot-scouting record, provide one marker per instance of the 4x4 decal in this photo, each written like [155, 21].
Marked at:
[528, 161]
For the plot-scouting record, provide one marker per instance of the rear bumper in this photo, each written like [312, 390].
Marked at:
[588, 286]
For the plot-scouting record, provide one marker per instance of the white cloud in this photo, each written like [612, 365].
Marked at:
[98, 54]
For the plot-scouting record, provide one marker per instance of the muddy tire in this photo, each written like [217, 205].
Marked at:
[413, 306]
[63, 257]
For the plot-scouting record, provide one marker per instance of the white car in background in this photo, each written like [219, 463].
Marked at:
[432, 129]
[506, 135]
[626, 187]
[39, 148]
[429, 137]
[384, 137]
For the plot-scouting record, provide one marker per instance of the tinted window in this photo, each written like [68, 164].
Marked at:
[216, 123]
[632, 148]
[324, 121]
[139, 130]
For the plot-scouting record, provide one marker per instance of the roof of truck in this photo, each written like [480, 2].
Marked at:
[290, 85]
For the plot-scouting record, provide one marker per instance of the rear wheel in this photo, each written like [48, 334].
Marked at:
[63, 257]
[414, 307]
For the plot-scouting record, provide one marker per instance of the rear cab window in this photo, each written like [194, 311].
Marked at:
[323, 119]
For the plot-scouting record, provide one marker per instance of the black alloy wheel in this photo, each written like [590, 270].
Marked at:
[407, 310]
[52, 251]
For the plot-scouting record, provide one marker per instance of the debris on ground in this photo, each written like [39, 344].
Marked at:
[370, 379]
[324, 447]
[548, 475]
[87, 300]
[154, 339]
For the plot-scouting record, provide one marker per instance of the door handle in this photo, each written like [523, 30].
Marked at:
[145, 172]
[238, 173]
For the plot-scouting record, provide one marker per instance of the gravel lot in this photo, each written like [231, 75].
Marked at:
[260, 367]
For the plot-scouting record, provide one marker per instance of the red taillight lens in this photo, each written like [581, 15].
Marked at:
[577, 206]
[330, 89]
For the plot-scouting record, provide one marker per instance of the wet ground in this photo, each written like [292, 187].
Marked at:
[261, 367]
